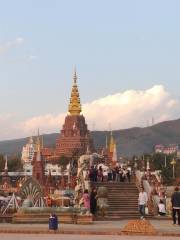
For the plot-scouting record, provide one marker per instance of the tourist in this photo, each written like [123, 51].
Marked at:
[175, 200]
[161, 208]
[86, 199]
[95, 173]
[113, 174]
[93, 201]
[124, 175]
[128, 174]
[100, 174]
[53, 222]
[117, 174]
[142, 202]
[109, 174]
[91, 174]
[121, 175]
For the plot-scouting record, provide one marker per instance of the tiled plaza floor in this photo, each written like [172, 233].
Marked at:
[164, 227]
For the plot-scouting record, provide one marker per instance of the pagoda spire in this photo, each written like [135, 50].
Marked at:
[75, 76]
[74, 105]
[38, 142]
[6, 164]
[114, 157]
[112, 143]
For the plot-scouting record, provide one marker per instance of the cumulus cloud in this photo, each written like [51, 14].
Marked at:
[131, 108]
[120, 110]
[6, 46]
[47, 123]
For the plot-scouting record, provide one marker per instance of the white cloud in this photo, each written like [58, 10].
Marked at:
[47, 124]
[131, 108]
[120, 110]
[6, 46]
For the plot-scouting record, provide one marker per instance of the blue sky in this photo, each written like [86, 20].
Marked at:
[116, 46]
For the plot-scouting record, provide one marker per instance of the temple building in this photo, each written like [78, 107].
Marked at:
[74, 138]
[38, 171]
[110, 151]
[5, 175]
[28, 151]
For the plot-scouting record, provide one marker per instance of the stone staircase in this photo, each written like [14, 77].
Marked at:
[122, 200]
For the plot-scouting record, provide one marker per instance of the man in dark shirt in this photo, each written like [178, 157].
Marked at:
[175, 200]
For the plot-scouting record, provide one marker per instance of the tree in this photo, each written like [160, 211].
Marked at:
[162, 162]
[63, 161]
[166, 174]
[2, 163]
[15, 164]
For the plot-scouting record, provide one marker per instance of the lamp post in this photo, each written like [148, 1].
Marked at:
[148, 165]
[135, 163]
[143, 164]
[173, 163]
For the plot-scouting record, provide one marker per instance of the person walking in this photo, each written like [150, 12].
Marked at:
[109, 174]
[100, 174]
[86, 200]
[175, 200]
[53, 222]
[142, 202]
[93, 201]
[161, 208]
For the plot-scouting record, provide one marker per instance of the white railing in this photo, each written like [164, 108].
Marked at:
[147, 187]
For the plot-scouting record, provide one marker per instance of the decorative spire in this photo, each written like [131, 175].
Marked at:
[74, 105]
[112, 143]
[114, 157]
[88, 150]
[6, 164]
[75, 76]
[38, 142]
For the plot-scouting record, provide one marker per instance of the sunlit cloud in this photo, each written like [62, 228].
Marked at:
[131, 108]
[120, 110]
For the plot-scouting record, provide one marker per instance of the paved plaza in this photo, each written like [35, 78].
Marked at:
[164, 228]
[79, 237]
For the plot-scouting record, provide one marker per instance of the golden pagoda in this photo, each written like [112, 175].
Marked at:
[112, 143]
[74, 105]
[74, 138]
[112, 153]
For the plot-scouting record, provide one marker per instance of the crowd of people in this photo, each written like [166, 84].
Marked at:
[116, 174]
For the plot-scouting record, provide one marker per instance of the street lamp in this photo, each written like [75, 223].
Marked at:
[135, 163]
[173, 163]
[148, 164]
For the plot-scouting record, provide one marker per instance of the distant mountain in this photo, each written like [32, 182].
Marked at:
[129, 141]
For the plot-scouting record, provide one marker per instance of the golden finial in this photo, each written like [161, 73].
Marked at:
[74, 105]
[75, 76]
[38, 142]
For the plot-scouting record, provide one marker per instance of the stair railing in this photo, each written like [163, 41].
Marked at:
[152, 199]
